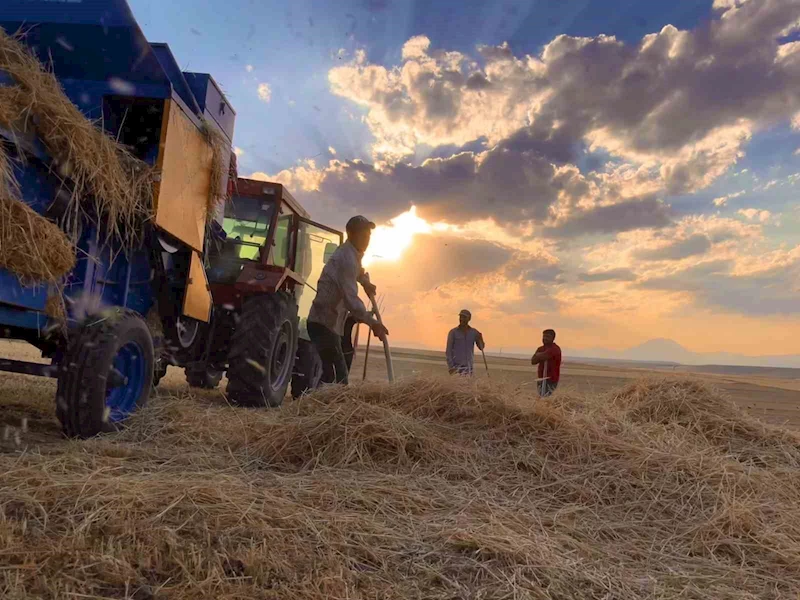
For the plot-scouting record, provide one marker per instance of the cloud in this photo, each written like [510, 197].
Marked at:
[723, 200]
[332, 150]
[682, 103]
[693, 245]
[249, 68]
[510, 183]
[716, 284]
[264, 92]
[609, 275]
[673, 112]
[624, 216]
[238, 151]
[754, 214]
[511, 187]
[433, 260]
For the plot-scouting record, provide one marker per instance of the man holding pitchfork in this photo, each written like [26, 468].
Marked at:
[548, 357]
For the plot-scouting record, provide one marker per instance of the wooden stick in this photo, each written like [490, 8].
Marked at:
[389, 366]
[486, 364]
[544, 379]
[355, 342]
[366, 354]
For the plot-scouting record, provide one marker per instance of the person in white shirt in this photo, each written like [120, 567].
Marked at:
[461, 342]
[337, 295]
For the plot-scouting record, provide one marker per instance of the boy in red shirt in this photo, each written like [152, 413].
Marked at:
[548, 357]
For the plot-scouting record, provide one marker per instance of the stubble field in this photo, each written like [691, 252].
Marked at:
[625, 484]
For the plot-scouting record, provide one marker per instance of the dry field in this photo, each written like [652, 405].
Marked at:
[617, 487]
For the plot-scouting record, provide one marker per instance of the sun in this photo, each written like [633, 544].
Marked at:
[389, 241]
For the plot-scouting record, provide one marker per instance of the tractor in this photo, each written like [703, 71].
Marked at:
[262, 266]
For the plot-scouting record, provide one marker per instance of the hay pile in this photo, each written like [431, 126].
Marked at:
[426, 489]
[32, 247]
[220, 148]
[108, 182]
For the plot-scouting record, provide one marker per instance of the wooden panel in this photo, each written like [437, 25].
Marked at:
[197, 301]
[184, 162]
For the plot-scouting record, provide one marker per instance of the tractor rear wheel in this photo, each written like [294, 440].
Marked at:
[262, 350]
[107, 374]
[308, 369]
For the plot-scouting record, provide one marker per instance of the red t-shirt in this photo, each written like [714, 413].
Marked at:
[553, 362]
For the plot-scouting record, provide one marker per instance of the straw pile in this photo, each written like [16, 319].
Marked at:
[425, 489]
[32, 247]
[109, 183]
[220, 148]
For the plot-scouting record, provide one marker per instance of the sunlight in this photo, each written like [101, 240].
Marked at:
[391, 240]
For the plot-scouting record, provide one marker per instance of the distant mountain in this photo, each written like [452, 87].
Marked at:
[669, 351]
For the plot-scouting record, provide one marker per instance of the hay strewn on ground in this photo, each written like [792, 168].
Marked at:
[33, 248]
[103, 173]
[424, 489]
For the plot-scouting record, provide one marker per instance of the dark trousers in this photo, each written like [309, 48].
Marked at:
[549, 388]
[329, 348]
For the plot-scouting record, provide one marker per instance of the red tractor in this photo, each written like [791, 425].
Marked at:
[263, 261]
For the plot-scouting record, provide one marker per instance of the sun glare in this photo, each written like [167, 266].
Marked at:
[389, 241]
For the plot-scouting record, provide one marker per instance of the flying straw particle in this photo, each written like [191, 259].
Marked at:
[121, 86]
[256, 365]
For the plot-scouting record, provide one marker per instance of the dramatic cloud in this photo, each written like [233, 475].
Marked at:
[609, 275]
[625, 216]
[510, 187]
[682, 102]
[691, 246]
[674, 111]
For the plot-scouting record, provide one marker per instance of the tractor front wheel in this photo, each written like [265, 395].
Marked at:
[106, 374]
[262, 350]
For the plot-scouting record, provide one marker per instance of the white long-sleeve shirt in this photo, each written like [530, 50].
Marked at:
[460, 350]
[337, 290]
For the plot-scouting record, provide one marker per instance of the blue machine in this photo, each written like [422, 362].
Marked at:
[105, 359]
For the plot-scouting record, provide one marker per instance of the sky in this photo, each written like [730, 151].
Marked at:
[617, 170]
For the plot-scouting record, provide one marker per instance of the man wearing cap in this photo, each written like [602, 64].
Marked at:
[337, 294]
[461, 342]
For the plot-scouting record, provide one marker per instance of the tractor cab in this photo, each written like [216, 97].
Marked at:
[266, 242]
[256, 229]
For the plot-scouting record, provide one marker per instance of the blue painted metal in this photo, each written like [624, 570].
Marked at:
[11, 316]
[102, 60]
[173, 71]
[121, 400]
[212, 101]
[102, 34]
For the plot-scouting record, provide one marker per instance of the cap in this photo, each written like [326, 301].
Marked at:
[359, 222]
[465, 313]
